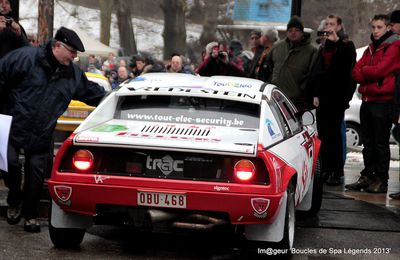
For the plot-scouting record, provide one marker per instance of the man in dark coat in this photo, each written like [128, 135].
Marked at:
[39, 83]
[332, 87]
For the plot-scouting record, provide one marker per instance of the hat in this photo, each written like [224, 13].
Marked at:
[256, 32]
[210, 46]
[70, 38]
[295, 22]
[395, 16]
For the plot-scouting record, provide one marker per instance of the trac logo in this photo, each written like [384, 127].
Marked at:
[166, 164]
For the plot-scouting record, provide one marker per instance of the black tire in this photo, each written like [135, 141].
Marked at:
[65, 237]
[353, 134]
[318, 187]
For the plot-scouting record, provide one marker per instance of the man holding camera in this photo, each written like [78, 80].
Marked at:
[331, 87]
[217, 62]
[11, 35]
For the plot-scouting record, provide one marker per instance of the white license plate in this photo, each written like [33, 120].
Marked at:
[76, 114]
[158, 199]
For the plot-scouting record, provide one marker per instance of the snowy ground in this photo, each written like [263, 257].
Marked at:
[148, 32]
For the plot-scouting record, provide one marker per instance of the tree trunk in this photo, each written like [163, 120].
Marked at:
[209, 23]
[45, 20]
[105, 20]
[126, 34]
[174, 27]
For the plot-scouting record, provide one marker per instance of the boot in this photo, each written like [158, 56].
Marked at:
[333, 180]
[378, 186]
[395, 196]
[362, 183]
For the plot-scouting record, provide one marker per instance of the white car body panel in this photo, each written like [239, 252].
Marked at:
[219, 139]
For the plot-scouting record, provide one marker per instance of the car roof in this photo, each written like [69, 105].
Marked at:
[223, 87]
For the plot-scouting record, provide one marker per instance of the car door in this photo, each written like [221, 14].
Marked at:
[297, 147]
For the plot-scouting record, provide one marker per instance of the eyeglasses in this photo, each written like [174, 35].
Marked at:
[73, 51]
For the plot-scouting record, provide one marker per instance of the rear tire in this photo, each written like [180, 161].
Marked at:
[318, 187]
[65, 237]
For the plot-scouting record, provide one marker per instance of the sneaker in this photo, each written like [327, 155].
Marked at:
[378, 186]
[395, 196]
[333, 180]
[362, 183]
[32, 225]
[13, 215]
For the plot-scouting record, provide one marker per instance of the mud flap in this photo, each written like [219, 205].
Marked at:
[61, 219]
[306, 202]
[269, 232]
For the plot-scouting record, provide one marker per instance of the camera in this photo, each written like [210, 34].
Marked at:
[9, 22]
[322, 33]
[221, 54]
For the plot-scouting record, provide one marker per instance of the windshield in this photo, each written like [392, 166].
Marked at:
[189, 110]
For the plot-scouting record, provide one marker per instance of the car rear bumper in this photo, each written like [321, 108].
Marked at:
[243, 207]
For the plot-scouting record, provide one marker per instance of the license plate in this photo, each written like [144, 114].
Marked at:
[158, 199]
[76, 114]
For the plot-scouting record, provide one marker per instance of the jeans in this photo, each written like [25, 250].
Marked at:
[375, 124]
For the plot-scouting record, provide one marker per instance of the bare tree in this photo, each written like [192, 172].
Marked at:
[174, 26]
[45, 20]
[126, 34]
[105, 20]
[210, 22]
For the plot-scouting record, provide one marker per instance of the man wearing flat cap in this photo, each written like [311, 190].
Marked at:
[290, 63]
[38, 83]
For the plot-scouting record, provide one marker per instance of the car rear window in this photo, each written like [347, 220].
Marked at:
[189, 110]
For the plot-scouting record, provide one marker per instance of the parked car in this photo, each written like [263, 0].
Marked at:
[352, 120]
[188, 153]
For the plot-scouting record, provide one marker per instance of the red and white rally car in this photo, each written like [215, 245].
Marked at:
[192, 153]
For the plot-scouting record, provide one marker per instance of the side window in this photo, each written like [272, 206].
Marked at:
[287, 111]
[278, 115]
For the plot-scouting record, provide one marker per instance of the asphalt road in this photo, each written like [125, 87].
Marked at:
[344, 228]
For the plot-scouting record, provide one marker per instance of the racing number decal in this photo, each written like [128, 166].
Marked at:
[307, 163]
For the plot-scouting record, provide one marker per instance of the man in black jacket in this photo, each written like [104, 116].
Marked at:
[332, 87]
[38, 84]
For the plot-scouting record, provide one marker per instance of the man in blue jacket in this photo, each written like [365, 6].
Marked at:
[38, 84]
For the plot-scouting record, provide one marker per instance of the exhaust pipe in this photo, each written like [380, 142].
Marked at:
[156, 215]
[208, 224]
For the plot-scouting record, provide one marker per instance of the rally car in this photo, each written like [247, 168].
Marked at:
[188, 152]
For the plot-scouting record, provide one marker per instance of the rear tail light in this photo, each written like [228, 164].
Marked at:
[83, 160]
[244, 170]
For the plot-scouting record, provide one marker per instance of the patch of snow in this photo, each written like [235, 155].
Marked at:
[148, 32]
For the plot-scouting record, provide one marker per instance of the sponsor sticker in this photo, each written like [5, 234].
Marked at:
[63, 193]
[260, 206]
[87, 139]
[166, 164]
